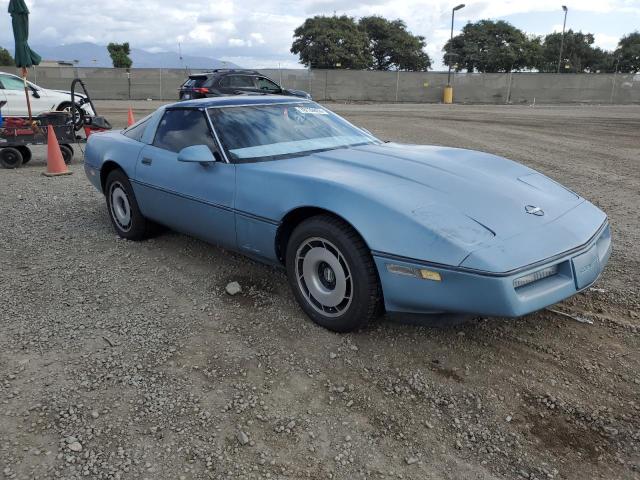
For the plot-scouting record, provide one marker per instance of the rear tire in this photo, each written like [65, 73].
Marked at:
[332, 274]
[10, 157]
[123, 208]
[77, 114]
[26, 154]
[67, 153]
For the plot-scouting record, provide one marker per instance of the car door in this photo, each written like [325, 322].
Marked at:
[234, 84]
[193, 198]
[3, 98]
[13, 88]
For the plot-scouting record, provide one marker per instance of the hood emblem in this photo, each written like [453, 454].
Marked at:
[537, 211]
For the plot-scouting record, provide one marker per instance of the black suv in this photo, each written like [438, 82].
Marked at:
[233, 82]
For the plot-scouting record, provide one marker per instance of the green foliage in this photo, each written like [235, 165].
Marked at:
[5, 58]
[578, 53]
[392, 46]
[331, 42]
[372, 43]
[628, 53]
[119, 53]
[488, 46]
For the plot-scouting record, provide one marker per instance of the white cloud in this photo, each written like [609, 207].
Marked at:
[261, 31]
[606, 42]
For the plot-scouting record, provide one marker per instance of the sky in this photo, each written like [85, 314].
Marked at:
[259, 33]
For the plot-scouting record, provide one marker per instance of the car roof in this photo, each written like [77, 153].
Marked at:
[236, 100]
[224, 71]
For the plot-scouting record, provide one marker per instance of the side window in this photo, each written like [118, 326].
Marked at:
[241, 81]
[11, 83]
[136, 131]
[267, 85]
[183, 128]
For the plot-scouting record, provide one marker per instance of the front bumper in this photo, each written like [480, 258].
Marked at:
[483, 293]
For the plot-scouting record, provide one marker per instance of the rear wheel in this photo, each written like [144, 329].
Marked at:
[67, 153]
[10, 157]
[332, 274]
[123, 208]
[26, 153]
[76, 113]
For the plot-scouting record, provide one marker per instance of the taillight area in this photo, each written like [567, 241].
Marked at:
[203, 90]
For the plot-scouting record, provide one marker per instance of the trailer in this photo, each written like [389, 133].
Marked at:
[17, 134]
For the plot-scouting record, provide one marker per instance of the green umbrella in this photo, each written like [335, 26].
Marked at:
[24, 56]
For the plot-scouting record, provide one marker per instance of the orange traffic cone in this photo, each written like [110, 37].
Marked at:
[55, 162]
[130, 119]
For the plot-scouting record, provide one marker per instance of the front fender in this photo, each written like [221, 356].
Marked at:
[387, 224]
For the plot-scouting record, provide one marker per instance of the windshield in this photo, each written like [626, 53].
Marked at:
[269, 132]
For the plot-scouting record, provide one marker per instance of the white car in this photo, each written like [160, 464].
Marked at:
[42, 99]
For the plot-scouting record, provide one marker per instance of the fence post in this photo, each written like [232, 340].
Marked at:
[160, 83]
[613, 86]
[508, 100]
[397, 83]
[326, 79]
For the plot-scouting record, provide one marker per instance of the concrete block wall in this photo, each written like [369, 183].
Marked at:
[367, 86]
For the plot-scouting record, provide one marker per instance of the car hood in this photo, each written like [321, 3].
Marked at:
[68, 92]
[468, 195]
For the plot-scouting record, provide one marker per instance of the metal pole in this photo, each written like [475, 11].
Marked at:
[564, 24]
[160, 83]
[613, 84]
[397, 83]
[453, 12]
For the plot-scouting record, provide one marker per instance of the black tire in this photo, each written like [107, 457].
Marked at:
[26, 154]
[10, 157]
[323, 253]
[67, 153]
[76, 112]
[137, 227]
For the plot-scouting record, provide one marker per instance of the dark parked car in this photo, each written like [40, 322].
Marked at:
[233, 82]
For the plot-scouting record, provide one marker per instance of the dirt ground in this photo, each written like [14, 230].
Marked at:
[128, 360]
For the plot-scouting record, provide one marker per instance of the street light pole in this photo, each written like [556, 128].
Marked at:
[448, 89]
[564, 24]
[453, 13]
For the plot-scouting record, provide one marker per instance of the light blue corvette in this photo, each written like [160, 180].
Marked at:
[361, 226]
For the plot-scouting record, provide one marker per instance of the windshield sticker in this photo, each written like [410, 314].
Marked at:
[312, 110]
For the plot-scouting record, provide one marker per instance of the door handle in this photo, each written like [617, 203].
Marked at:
[146, 161]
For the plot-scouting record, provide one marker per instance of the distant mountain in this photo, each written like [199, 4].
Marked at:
[92, 55]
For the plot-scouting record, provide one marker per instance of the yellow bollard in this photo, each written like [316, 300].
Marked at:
[448, 94]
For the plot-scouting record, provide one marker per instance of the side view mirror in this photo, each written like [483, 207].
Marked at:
[34, 92]
[197, 154]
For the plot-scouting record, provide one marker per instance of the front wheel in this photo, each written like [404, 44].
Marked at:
[332, 274]
[123, 208]
[10, 157]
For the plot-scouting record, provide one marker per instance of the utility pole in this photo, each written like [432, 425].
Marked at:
[564, 24]
[448, 90]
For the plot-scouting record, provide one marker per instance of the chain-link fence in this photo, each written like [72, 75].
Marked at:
[368, 86]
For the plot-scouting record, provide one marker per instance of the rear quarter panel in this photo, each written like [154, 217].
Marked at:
[112, 147]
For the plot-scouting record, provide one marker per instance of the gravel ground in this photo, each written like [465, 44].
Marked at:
[129, 360]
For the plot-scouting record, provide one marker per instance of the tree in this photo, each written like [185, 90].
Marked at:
[488, 46]
[5, 58]
[119, 53]
[331, 42]
[578, 53]
[392, 46]
[628, 53]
